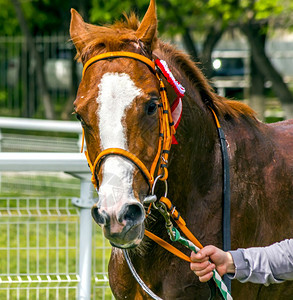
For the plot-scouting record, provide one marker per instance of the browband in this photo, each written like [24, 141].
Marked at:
[119, 54]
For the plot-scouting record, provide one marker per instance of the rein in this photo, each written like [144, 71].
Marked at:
[159, 171]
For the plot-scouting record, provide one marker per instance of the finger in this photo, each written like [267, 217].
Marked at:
[198, 266]
[208, 250]
[203, 253]
[206, 277]
[202, 272]
[198, 257]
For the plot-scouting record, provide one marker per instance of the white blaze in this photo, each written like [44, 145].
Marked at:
[116, 93]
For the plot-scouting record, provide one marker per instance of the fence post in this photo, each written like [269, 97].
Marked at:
[85, 203]
[1, 138]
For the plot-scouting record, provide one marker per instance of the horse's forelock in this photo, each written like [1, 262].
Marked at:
[112, 37]
[129, 22]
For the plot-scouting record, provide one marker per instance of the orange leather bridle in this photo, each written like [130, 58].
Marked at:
[166, 128]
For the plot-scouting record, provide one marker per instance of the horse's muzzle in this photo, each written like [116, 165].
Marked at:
[122, 225]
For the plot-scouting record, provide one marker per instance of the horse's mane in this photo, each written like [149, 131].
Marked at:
[114, 36]
[222, 105]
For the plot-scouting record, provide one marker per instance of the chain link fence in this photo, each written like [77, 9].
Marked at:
[39, 250]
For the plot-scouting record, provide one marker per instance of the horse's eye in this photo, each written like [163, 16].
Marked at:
[151, 108]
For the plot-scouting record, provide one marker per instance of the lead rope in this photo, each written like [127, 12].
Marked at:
[216, 277]
[167, 209]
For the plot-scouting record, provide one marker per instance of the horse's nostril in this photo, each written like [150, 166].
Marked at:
[133, 213]
[98, 217]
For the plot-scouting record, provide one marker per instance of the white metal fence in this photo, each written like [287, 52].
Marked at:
[39, 248]
[11, 140]
[49, 247]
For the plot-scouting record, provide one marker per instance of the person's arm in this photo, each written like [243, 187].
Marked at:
[272, 264]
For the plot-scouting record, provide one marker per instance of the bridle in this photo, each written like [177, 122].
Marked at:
[158, 169]
[166, 132]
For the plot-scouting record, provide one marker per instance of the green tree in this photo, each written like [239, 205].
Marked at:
[255, 19]
[42, 16]
[8, 22]
[186, 19]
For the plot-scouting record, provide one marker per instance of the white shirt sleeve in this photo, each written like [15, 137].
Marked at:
[272, 264]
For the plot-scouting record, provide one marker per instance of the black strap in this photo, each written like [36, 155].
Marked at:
[226, 215]
[226, 192]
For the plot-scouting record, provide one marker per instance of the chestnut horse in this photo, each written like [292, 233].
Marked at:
[117, 103]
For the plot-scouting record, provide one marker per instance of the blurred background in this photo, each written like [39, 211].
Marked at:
[244, 48]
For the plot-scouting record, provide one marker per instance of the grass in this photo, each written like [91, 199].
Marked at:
[39, 235]
[39, 185]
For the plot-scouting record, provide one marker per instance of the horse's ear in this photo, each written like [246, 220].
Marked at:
[78, 30]
[147, 30]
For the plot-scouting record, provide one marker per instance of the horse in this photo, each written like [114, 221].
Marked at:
[118, 103]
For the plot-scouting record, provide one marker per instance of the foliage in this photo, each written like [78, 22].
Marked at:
[43, 16]
[197, 15]
[231, 11]
[47, 16]
[8, 22]
[174, 15]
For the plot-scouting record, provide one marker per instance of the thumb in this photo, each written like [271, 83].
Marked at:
[196, 255]
[199, 256]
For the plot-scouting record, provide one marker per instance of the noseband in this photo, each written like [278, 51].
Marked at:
[167, 129]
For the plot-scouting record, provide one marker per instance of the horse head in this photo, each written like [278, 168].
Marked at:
[117, 104]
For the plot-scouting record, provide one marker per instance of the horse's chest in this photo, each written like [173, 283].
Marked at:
[168, 278]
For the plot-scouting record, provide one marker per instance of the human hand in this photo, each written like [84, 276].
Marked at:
[220, 260]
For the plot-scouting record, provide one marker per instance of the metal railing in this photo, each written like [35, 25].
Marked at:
[26, 143]
[47, 248]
